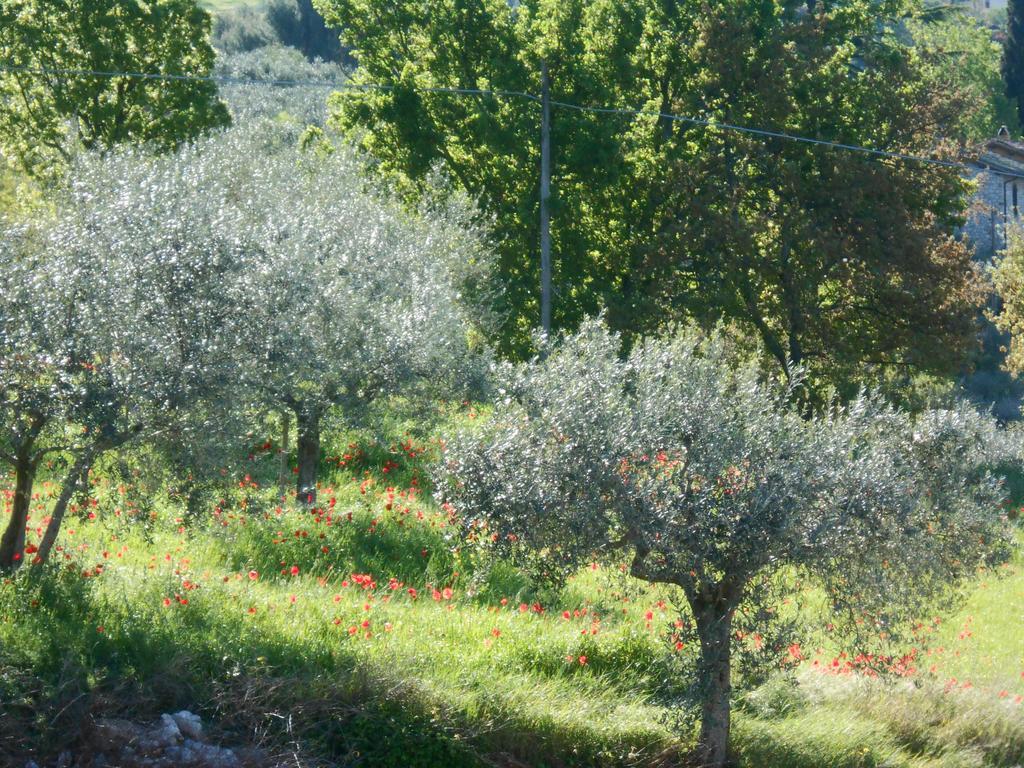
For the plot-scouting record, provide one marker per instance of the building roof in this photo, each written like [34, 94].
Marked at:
[1001, 154]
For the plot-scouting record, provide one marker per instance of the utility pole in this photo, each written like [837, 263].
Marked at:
[545, 194]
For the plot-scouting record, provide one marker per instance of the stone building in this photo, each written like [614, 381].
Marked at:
[998, 203]
[980, 7]
[999, 200]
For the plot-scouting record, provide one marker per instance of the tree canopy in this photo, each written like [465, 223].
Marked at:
[168, 294]
[45, 113]
[1013, 56]
[835, 260]
[112, 330]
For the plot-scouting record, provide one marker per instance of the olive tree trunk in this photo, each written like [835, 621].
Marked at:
[714, 628]
[308, 447]
[282, 470]
[12, 544]
[76, 476]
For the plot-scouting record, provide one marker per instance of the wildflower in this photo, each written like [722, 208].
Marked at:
[253, 575]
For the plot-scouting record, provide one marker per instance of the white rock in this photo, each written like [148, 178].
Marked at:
[189, 724]
[166, 733]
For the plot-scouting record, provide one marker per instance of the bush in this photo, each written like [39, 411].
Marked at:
[304, 102]
[242, 29]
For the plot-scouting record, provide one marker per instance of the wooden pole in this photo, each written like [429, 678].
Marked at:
[545, 194]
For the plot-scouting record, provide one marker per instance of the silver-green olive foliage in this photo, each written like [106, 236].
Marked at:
[169, 295]
[346, 296]
[293, 93]
[113, 328]
[329, 294]
[683, 456]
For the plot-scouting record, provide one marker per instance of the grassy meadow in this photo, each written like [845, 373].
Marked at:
[367, 632]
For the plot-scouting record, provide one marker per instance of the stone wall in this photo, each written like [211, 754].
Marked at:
[984, 227]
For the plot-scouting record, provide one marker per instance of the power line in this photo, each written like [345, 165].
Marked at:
[228, 80]
[758, 132]
[704, 122]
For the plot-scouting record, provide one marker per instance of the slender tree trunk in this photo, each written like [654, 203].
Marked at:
[308, 423]
[194, 500]
[794, 310]
[12, 544]
[282, 472]
[74, 479]
[714, 626]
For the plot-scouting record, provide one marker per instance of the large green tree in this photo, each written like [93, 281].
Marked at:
[836, 259]
[43, 116]
[1013, 55]
[957, 53]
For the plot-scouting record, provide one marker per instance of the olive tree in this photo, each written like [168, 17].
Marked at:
[284, 65]
[685, 458]
[354, 298]
[37, 379]
[113, 327]
[302, 287]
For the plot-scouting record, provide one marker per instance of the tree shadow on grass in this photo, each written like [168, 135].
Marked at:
[326, 705]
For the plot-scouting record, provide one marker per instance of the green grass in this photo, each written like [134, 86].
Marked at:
[456, 681]
[225, 5]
